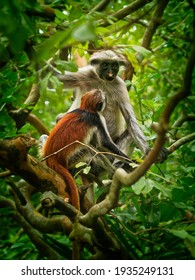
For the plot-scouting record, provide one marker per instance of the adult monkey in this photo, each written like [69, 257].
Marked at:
[121, 122]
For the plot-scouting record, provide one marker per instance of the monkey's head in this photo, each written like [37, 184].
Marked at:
[93, 101]
[106, 64]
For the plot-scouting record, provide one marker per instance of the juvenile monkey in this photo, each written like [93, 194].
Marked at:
[87, 125]
[119, 115]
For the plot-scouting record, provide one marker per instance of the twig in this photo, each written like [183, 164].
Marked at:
[89, 147]
[181, 142]
[154, 23]
[100, 6]
[5, 173]
[178, 123]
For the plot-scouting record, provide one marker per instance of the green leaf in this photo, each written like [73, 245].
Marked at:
[84, 32]
[80, 164]
[168, 212]
[143, 186]
[60, 14]
[25, 129]
[138, 186]
[183, 234]
[67, 66]
[190, 246]
[49, 47]
[145, 52]
[86, 169]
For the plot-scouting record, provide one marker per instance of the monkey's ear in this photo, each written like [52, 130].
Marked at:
[94, 61]
[122, 63]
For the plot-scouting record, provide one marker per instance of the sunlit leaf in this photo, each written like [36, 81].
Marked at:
[142, 50]
[84, 32]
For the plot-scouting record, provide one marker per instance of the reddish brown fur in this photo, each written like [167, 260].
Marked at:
[90, 100]
[69, 129]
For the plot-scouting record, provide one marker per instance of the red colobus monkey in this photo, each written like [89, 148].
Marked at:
[86, 125]
[119, 115]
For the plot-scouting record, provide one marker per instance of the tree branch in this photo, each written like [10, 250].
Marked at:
[183, 118]
[40, 127]
[100, 6]
[44, 12]
[181, 141]
[20, 115]
[41, 223]
[34, 235]
[151, 29]
[131, 8]
[13, 156]
[37, 239]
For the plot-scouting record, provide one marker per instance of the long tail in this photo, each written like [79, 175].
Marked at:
[72, 189]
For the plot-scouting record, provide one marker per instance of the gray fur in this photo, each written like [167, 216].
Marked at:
[118, 113]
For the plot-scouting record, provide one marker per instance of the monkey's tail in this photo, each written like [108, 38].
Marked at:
[72, 189]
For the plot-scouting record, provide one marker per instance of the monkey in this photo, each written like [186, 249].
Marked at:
[102, 73]
[85, 124]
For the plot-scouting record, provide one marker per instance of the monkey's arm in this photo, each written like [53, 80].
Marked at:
[69, 79]
[135, 131]
[106, 141]
[132, 124]
[109, 145]
[80, 79]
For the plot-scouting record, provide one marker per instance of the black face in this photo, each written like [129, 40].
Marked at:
[99, 106]
[108, 70]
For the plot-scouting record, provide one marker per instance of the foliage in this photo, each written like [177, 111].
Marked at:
[155, 217]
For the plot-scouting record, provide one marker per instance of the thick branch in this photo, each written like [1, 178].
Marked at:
[131, 8]
[33, 234]
[13, 156]
[41, 223]
[38, 240]
[51, 200]
[106, 205]
[40, 127]
[6, 202]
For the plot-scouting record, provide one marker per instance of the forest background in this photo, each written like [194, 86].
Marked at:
[147, 215]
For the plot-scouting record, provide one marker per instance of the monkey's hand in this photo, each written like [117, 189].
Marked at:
[162, 155]
[128, 167]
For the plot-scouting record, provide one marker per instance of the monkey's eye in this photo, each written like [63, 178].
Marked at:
[99, 106]
[104, 66]
[115, 66]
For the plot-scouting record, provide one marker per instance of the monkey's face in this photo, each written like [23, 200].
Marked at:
[101, 103]
[108, 70]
